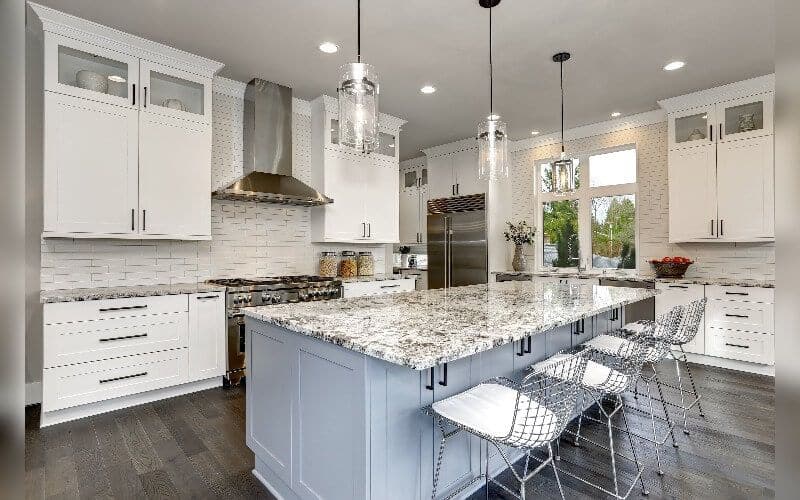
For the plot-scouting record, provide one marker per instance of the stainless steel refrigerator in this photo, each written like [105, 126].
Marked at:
[457, 252]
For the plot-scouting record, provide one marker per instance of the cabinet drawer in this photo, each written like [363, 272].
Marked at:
[91, 310]
[80, 342]
[741, 293]
[84, 383]
[743, 316]
[743, 346]
[366, 288]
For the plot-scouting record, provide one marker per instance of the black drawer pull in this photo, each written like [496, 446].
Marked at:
[390, 286]
[107, 380]
[111, 339]
[738, 345]
[736, 315]
[122, 308]
[521, 348]
[443, 382]
[737, 293]
[429, 385]
[678, 286]
[204, 297]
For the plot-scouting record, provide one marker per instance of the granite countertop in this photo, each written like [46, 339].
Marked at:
[421, 329]
[123, 292]
[644, 278]
[376, 277]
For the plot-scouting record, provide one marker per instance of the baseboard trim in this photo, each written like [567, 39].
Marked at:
[33, 393]
[67, 414]
[731, 364]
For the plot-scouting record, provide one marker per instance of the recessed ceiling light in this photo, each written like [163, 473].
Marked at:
[328, 47]
[428, 89]
[534, 132]
[493, 117]
[116, 78]
[674, 65]
[615, 114]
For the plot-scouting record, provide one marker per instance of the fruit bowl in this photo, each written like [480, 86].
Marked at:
[671, 267]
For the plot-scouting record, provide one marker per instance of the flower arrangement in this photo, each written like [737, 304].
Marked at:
[520, 234]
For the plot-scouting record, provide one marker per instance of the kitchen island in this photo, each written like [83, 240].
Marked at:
[336, 388]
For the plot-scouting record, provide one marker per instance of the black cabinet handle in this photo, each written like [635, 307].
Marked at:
[711, 132]
[107, 380]
[204, 297]
[122, 308]
[133, 217]
[712, 227]
[443, 382]
[737, 293]
[144, 220]
[458, 188]
[736, 315]
[722, 227]
[126, 337]
[429, 386]
[454, 189]
[678, 286]
[133, 94]
[369, 230]
[521, 348]
[738, 345]
[389, 286]
[530, 346]
[144, 99]
[720, 131]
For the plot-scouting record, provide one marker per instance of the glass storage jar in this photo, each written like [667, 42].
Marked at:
[348, 267]
[366, 264]
[328, 264]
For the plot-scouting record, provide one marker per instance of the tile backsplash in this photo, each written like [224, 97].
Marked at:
[249, 239]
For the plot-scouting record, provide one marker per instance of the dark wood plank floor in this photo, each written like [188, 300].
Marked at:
[193, 447]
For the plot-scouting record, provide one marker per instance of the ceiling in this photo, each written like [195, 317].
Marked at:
[618, 49]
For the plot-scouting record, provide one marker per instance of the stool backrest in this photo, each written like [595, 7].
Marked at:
[690, 321]
[546, 400]
[663, 330]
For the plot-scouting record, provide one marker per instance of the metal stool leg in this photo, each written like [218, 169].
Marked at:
[613, 457]
[664, 406]
[633, 447]
[486, 472]
[680, 389]
[691, 380]
[555, 471]
[439, 460]
[655, 437]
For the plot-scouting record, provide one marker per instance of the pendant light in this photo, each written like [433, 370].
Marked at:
[563, 168]
[358, 101]
[492, 137]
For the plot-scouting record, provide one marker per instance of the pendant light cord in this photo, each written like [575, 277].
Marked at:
[491, 71]
[358, 35]
[561, 65]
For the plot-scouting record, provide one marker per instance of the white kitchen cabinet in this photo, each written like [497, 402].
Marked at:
[440, 177]
[721, 163]
[377, 287]
[126, 132]
[409, 216]
[693, 193]
[675, 294]
[90, 166]
[746, 189]
[174, 194]
[207, 335]
[381, 199]
[413, 202]
[455, 174]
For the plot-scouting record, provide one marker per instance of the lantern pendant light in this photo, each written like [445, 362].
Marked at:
[358, 101]
[563, 168]
[492, 136]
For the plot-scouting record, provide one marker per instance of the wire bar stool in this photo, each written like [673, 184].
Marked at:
[526, 415]
[606, 378]
[652, 334]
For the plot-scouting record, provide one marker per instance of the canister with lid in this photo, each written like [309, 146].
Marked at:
[328, 264]
[366, 264]
[348, 267]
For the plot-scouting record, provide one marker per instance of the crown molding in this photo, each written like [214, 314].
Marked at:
[584, 131]
[412, 163]
[736, 90]
[232, 88]
[55, 21]
[451, 147]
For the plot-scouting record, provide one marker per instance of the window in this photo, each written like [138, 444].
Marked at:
[595, 225]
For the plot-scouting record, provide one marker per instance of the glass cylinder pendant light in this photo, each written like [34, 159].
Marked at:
[492, 136]
[563, 168]
[358, 101]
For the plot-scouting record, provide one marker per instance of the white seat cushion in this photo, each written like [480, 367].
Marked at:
[489, 409]
[597, 376]
[637, 327]
[618, 346]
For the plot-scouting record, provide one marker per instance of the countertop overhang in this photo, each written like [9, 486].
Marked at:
[422, 329]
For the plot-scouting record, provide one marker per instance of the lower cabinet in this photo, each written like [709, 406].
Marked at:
[378, 287]
[207, 335]
[675, 294]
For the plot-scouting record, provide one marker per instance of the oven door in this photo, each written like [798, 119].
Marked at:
[236, 353]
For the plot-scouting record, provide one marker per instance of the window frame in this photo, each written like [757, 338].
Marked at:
[584, 195]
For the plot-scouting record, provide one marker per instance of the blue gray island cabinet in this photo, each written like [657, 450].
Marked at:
[335, 388]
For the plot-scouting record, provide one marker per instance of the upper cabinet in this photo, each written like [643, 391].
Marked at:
[126, 132]
[364, 187]
[414, 201]
[454, 172]
[721, 163]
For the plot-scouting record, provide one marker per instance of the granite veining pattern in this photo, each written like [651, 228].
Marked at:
[421, 329]
[644, 278]
[124, 292]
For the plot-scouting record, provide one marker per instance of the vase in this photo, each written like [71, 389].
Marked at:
[520, 262]
[404, 260]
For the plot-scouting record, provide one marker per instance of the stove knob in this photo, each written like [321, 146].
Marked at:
[276, 299]
[249, 299]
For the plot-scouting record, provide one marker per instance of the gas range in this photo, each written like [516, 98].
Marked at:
[241, 293]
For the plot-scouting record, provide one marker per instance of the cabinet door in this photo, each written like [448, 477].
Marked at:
[409, 215]
[90, 166]
[423, 213]
[174, 176]
[381, 199]
[692, 127]
[207, 335]
[172, 92]
[461, 459]
[441, 183]
[344, 218]
[693, 193]
[745, 118]
[745, 189]
[675, 294]
[465, 168]
[88, 71]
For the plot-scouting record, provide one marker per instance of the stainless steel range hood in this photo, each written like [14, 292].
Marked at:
[268, 151]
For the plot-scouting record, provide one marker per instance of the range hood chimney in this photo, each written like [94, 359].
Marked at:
[268, 151]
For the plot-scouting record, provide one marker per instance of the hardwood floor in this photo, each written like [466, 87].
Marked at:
[193, 447]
